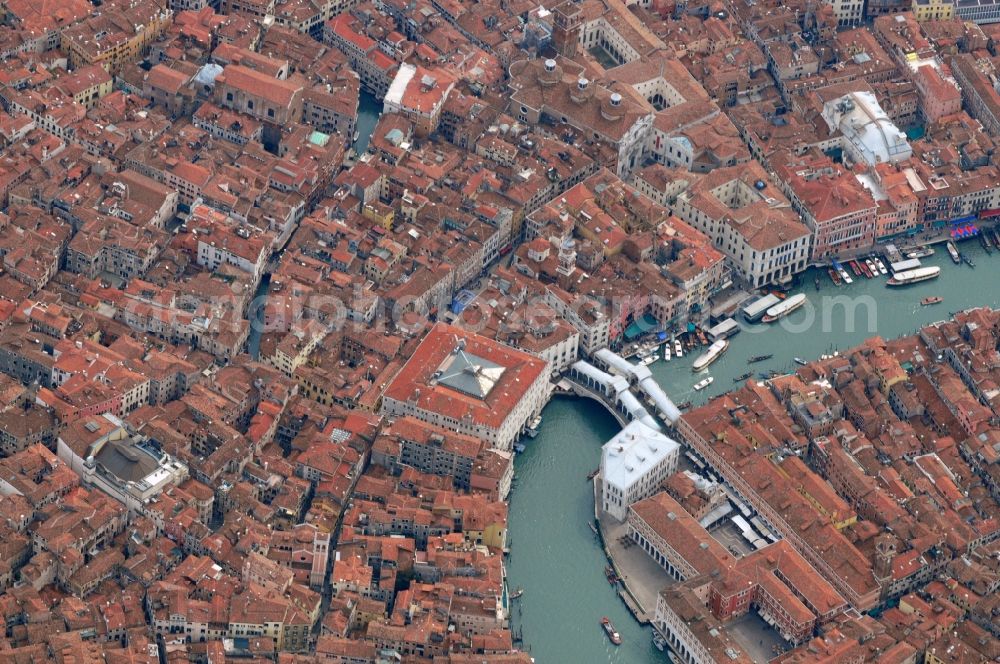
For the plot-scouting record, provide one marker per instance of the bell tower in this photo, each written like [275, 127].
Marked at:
[566, 28]
[885, 551]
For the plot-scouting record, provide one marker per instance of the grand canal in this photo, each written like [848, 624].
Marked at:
[556, 557]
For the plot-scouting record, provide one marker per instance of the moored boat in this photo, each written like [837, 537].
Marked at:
[920, 252]
[784, 308]
[846, 277]
[933, 299]
[678, 351]
[666, 351]
[532, 429]
[908, 277]
[609, 629]
[953, 252]
[713, 353]
[684, 405]
[881, 266]
[968, 260]
[834, 276]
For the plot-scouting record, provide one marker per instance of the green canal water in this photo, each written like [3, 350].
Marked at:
[558, 559]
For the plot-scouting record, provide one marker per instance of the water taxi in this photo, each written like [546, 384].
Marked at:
[881, 266]
[702, 384]
[666, 351]
[934, 299]
[784, 308]
[678, 351]
[908, 277]
[713, 353]
[846, 277]
[956, 257]
[609, 629]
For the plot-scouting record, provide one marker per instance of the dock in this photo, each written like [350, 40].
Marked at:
[640, 577]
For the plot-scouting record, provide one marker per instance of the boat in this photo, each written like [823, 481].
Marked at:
[800, 361]
[881, 266]
[933, 299]
[987, 245]
[920, 252]
[855, 268]
[684, 405]
[834, 276]
[678, 351]
[592, 474]
[872, 267]
[740, 379]
[846, 277]
[609, 629]
[702, 384]
[593, 527]
[517, 593]
[956, 257]
[759, 358]
[646, 361]
[609, 573]
[908, 277]
[968, 260]
[659, 641]
[785, 308]
[713, 353]
[519, 447]
[532, 429]
[666, 351]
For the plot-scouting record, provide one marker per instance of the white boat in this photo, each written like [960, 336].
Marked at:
[666, 351]
[846, 277]
[872, 268]
[787, 306]
[702, 384]
[532, 430]
[649, 360]
[907, 277]
[881, 266]
[678, 351]
[713, 353]
[956, 257]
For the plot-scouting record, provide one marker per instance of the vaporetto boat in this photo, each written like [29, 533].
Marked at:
[784, 308]
[908, 277]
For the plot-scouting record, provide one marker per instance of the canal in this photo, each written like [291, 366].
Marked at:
[369, 110]
[556, 557]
